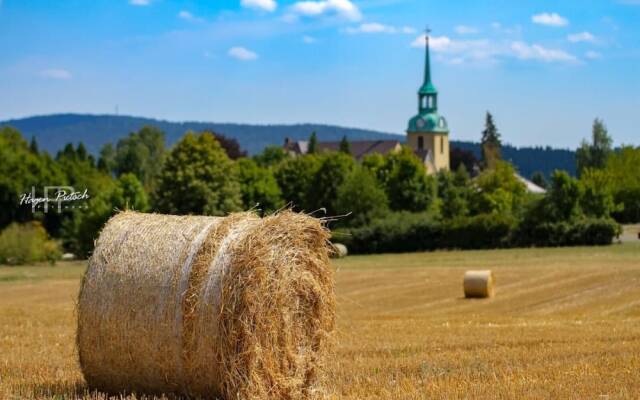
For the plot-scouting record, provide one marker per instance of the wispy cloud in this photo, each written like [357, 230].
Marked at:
[139, 2]
[490, 51]
[309, 39]
[581, 37]
[242, 54]
[374, 27]
[507, 30]
[56, 73]
[537, 52]
[465, 30]
[263, 5]
[187, 16]
[480, 50]
[593, 55]
[550, 19]
[341, 8]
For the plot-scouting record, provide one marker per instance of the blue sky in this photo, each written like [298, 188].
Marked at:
[545, 69]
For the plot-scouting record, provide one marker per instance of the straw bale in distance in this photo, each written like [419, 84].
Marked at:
[478, 284]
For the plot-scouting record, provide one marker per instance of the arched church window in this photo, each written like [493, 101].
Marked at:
[441, 145]
[420, 143]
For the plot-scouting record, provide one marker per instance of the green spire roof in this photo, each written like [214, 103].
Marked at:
[428, 120]
[427, 87]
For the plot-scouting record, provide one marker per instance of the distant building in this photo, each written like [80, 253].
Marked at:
[531, 187]
[359, 148]
[427, 132]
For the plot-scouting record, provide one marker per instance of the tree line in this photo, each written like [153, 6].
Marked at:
[207, 173]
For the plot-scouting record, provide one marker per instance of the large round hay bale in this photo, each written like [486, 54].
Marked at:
[238, 307]
[478, 284]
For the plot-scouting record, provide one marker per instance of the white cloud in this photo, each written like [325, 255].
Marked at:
[309, 39]
[507, 30]
[581, 37]
[593, 55]
[465, 30]
[57, 74]
[264, 5]
[526, 51]
[139, 2]
[242, 54]
[374, 27]
[481, 50]
[341, 8]
[550, 19]
[187, 16]
[488, 51]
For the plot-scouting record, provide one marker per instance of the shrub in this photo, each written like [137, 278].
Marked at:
[629, 213]
[579, 232]
[484, 231]
[27, 243]
[407, 232]
[398, 232]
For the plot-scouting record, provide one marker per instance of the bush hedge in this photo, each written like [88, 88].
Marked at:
[407, 232]
[581, 232]
[27, 243]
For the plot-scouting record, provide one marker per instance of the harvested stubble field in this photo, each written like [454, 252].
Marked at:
[565, 323]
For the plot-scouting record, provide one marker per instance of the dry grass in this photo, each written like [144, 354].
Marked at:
[565, 323]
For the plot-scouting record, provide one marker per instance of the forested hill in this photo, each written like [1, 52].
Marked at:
[54, 131]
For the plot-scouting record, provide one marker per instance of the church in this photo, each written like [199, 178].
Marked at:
[427, 132]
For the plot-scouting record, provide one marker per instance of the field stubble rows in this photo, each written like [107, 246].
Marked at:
[565, 323]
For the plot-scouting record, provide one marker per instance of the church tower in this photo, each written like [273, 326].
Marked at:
[428, 133]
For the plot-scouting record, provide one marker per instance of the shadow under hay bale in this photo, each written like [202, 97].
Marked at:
[238, 307]
[478, 284]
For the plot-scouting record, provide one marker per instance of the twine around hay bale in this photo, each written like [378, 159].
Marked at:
[478, 284]
[238, 307]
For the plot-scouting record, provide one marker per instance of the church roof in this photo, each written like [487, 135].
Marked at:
[359, 148]
[427, 87]
[429, 122]
[531, 187]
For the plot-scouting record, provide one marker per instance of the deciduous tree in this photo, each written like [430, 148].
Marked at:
[198, 178]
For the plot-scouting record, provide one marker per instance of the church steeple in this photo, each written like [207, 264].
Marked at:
[428, 132]
[427, 61]
[427, 95]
